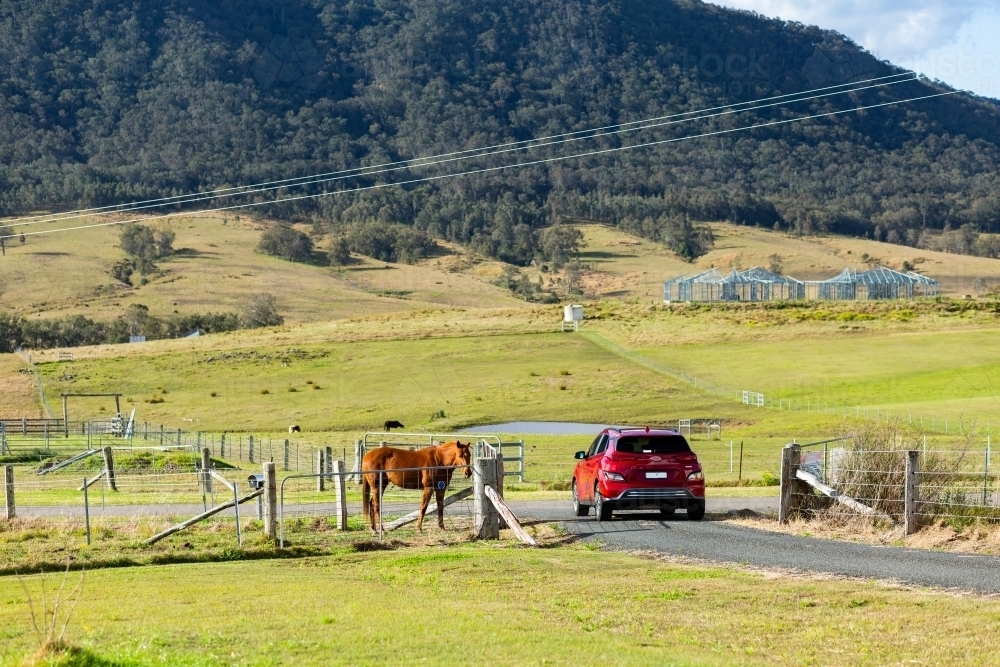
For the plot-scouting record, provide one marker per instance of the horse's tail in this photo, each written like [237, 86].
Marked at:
[366, 497]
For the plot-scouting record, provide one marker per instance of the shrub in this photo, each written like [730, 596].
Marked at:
[285, 242]
[872, 470]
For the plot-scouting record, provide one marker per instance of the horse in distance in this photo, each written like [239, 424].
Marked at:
[391, 424]
[381, 466]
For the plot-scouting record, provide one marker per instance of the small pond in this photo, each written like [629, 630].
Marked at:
[540, 428]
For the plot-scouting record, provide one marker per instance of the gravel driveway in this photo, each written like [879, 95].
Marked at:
[724, 542]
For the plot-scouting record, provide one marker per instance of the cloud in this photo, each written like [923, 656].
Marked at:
[897, 30]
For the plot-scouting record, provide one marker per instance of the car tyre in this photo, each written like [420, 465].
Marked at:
[696, 511]
[602, 508]
[579, 508]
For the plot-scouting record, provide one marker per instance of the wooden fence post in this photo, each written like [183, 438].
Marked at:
[790, 456]
[329, 463]
[486, 522]
[8, 483]
[911, 521]
[206, 468]
[270, 501]
[222, 446]
[287, 452]
[251, 450]
[109, 468]
[340, 491]
[319, 470]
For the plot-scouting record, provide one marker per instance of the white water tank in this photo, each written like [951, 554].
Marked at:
[572, 314]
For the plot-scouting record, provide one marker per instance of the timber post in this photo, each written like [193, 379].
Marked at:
[486, 521]
[329, 463]
[791, 454]
[109, 468]
[270, 501]
[319, 470]
[8, 485]
[287, 452]
[911, 493]
[340, 493]
[206, 468]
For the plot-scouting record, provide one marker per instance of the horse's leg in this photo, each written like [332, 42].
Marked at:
[425, 500]
[377, 489]
[440, 500]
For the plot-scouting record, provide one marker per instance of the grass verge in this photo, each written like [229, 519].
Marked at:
[497, 603]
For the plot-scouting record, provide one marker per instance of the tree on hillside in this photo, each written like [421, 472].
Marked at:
[136, 316]
[340, 252]
[260, 310]
[144, 246]
[287, 243]
[389, 243]
[559, 244]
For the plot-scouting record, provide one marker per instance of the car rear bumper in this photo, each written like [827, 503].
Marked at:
[653, 497]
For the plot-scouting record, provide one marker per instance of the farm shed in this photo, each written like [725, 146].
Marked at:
[757, 284]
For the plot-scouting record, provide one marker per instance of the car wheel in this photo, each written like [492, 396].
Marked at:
[579, 508]
[696, 511]
[667, 511]
[602, 508]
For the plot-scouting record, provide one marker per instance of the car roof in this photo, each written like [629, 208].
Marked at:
[637, 430]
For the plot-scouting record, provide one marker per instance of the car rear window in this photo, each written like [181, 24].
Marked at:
[653, 444]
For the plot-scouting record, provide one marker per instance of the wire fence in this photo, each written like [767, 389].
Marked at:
[145, 439]
[309, 505]
[957, 484]
[81, 496]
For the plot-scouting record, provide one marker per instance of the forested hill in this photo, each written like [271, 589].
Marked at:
[103, 101]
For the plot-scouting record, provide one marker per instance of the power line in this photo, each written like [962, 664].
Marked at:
[632, 126]
[492, 169]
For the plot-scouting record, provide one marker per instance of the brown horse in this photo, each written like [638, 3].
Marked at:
[379, 465]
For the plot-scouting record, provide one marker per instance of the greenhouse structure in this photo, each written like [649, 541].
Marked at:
[758, 284]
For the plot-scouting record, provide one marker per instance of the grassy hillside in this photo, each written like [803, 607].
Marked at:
[215, 269]
[357, 386]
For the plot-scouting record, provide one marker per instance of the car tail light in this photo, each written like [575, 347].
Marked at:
[696, 476]
[613, 476]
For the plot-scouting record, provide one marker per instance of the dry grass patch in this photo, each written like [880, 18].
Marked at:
[19, 392]
[978, 538]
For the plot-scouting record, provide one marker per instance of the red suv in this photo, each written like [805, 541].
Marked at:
[638, 468]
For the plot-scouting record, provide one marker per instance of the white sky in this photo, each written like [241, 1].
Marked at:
[957, 41]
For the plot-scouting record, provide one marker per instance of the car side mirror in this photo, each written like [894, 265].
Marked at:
[580, 455]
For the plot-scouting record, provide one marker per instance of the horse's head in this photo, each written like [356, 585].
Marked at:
[462, 457]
